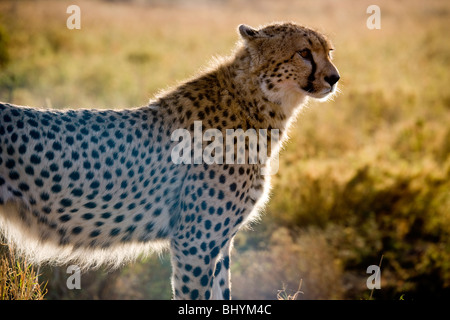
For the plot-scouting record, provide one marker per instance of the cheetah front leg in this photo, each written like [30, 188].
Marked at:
[221, 285]
[198, 273]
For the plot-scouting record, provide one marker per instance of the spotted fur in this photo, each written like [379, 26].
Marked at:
[100, 186]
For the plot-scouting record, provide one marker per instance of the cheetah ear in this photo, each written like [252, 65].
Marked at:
[248, 33]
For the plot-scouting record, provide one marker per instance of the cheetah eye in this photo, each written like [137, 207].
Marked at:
[305, 54]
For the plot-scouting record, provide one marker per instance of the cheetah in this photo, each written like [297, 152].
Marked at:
[101, 187]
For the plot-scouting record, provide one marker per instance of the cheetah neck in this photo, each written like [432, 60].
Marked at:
[261, 109]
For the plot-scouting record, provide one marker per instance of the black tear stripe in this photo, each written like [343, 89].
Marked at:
[311, 77]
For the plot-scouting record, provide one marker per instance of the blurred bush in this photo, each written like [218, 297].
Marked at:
[365, 210]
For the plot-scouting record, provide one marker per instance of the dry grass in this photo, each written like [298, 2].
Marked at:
[284, 294]
[18, 279]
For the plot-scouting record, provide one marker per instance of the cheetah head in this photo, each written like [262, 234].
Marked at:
[290, 62]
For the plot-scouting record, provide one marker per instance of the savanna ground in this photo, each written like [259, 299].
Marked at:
[363, 176]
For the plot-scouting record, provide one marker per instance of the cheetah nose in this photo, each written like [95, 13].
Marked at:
[332, 79]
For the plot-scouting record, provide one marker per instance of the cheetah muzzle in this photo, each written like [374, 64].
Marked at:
[98, 187]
